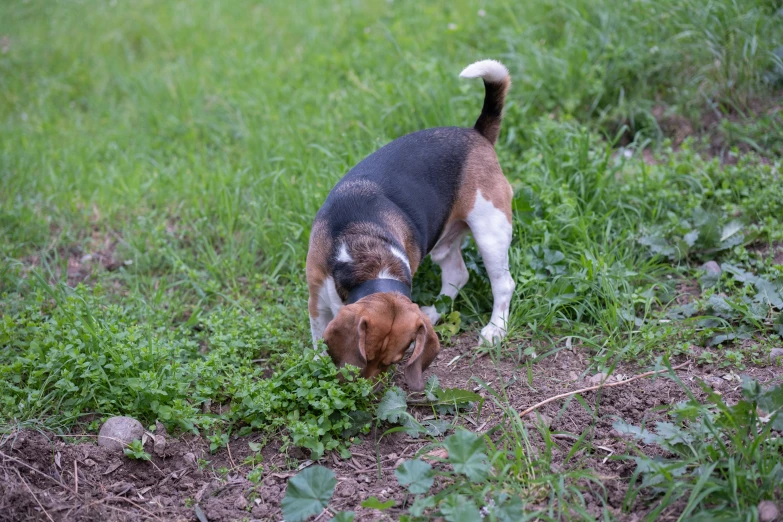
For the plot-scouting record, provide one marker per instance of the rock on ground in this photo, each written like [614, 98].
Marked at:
[117, 432]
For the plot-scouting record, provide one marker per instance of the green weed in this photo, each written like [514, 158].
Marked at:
[723, 459]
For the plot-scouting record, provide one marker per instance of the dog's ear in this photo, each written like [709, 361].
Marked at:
[346, 338]
[426, 348]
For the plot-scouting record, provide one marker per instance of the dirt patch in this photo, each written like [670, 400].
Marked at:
[80, 262]
[710, 127]
[46, 477]
[767, 251]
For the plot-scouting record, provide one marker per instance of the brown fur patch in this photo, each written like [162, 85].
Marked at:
[398, 226]
[317, 263]
[371, 254]
[481, 172]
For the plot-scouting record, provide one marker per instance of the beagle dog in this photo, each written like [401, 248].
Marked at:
[418, 195]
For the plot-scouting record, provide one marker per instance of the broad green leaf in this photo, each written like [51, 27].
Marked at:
[508, 509]
[719, 304]
[431, 388]
[691, 237]
[375, 503]
[751, 389]
[457, 508]
[466, 454]
[738, 273]
[768, 293]
[393, 406]
[722, 338]
[308, 493]
[420, 505]
[656, 470]
[657, 245]
[343, 516]
[771, 401]
[443, 303]
[437, 427]
[682, 311]
[416, 474]
[778, 324]
[638, 433]
[359, 419]
[730, 230]
[457, 396]
[672, 434]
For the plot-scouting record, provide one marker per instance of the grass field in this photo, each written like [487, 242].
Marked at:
[161, 164]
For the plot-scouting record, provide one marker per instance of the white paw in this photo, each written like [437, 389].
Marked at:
[431, 312]
[492, 334]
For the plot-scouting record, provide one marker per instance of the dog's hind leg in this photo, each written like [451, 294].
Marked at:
[454, 274]
[491, 228]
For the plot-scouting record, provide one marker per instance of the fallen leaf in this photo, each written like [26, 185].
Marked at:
[304, 465]
[201, 492]
[439, 453]
[112, 468]
[159, 446]
[598, 378]
[200, 514]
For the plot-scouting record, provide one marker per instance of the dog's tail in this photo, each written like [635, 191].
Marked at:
[496, 84]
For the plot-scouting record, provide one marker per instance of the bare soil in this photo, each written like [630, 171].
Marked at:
[50, 477]
[678, 128]
[80, 263]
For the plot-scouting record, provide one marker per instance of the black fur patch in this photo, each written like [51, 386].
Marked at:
[416, 176]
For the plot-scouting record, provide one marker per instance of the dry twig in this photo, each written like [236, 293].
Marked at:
[230, 458]
[33, 495]
[23, 463]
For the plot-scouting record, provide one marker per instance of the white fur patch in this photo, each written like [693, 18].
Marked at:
[402, 257]
[490, 70]
[329, 304]
[343, 256]
[329, 297]
[492, 233]
[386, 274]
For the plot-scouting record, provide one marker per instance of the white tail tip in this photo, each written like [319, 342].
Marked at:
[490, 70]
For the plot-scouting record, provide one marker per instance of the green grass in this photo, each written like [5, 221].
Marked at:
[194, 142]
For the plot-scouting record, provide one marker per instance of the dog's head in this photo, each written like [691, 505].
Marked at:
[375, 332]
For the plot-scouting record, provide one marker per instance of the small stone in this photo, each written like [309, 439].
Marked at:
[598, 378]
[117, 432]
[775, 354]
[190, 459]
[712, 268]
[240, 503]
[768, 511]
[159, 446]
